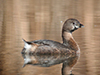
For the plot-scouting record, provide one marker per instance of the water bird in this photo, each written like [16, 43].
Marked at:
[50, 47]
[69, 45]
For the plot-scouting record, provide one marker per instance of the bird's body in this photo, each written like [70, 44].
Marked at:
[52, 47]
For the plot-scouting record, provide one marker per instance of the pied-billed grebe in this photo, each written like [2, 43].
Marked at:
[52, 47]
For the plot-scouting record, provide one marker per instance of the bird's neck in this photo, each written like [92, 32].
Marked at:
[69, 41]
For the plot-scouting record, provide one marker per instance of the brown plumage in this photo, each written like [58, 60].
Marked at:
[52, 47]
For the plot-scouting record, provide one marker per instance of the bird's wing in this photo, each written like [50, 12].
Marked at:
[50, 47]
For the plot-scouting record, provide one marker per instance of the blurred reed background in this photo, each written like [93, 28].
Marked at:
[43, 19]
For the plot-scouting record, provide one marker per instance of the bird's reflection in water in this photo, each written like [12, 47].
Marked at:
[68, 61]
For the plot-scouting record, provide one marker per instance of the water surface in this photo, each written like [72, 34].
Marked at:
[43, 19]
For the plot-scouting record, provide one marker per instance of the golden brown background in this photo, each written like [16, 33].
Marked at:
[43, 19]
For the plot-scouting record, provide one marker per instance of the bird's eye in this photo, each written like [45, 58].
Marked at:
[73, 23]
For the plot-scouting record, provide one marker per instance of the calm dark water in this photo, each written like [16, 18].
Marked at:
[43, 19]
